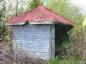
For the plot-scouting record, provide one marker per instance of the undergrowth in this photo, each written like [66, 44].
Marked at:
[62, 60]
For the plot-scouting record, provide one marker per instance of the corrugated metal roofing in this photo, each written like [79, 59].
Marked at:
[39, 14]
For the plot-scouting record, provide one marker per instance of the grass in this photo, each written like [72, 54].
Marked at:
[61, 60]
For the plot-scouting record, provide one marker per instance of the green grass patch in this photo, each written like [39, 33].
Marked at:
[61, 60]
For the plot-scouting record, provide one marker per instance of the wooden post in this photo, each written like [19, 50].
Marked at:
[52, 41]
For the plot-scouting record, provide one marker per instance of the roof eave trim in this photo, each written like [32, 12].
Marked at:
[14, 23]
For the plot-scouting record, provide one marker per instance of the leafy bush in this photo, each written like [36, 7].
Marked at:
[4, 33]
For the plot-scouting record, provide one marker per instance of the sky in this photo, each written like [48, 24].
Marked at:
[81, 4]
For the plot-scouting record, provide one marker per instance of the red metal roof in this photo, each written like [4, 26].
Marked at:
[39, 14]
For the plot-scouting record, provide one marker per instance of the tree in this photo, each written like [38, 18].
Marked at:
[1, 0]
[16, 7]
[3, 28]
[2, 12]
[34, 4]
[3, 31]
[65, 8]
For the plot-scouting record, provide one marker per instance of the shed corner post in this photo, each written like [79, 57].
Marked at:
[52, 41]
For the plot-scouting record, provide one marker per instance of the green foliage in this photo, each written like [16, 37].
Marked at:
[59, 6]
[65, 8]
[3, 33]
[1, 0]
[61, 60]
[34, 4]
[3, 28]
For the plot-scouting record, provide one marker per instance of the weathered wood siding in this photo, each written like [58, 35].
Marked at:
[34, 39]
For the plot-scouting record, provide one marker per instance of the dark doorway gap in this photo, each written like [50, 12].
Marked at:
[61, 36]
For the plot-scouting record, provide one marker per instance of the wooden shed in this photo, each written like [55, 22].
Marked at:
[34, 32]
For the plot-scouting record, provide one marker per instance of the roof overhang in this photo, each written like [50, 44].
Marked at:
[39, 15]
